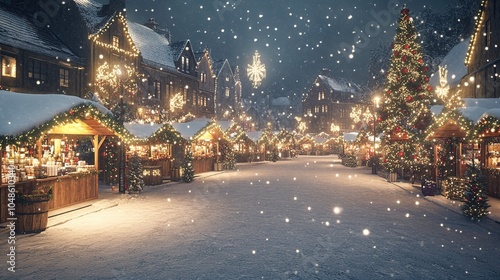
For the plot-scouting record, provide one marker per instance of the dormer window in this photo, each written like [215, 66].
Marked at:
[116, 41]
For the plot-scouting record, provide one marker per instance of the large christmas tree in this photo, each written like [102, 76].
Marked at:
[405, 111]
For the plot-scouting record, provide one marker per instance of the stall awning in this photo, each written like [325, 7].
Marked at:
[26, 117]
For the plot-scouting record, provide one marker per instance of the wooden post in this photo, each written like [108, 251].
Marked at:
[435, 171]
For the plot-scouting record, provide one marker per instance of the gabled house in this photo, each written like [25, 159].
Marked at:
[34, 60]
[157, 69]
[226, 100]
[483, 54]
[186, 82]
[206, 87]
[330, 101]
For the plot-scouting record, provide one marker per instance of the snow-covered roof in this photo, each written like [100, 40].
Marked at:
[225, 125]
[154, 47]
[488, 103]
[350, 136]
[454, 62]
[21, 112]
[19, 32]
[472, 113]
[90, 11]
[140, 130]
[280, 101]
[342, 85]
[495, 113]
[436, 110]
[473, 108]
[255, 135]
[189, 129]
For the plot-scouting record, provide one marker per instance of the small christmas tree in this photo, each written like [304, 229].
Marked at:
[111, 163]
[188, 174]
[134, 174]
[229, 159]
[476, 201]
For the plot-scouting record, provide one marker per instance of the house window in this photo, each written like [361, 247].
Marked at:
[321, 96]
[203, 77]
[227, 78]
[185, 94]
[8, 66]
[63, 77]
[325, 108]
[157, 89]
[487, 33]
[37, 70]
[316, 109]
[185, 64]
[116, 41]
[308, 111]
[227, 92]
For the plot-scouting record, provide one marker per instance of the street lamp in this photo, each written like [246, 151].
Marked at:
[375, 159]
[121, 120]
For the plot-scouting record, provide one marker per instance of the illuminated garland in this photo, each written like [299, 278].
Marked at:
[166, 134]
[80, 112]
[477, 30]
[455, 116]
[487, 127]
[121, 17]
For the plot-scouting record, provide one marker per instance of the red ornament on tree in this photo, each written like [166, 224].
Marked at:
[429, 88]
[407, 46]
[396, 53]
[400, 154]
[404, 58]
[409, 98]
[405, 70]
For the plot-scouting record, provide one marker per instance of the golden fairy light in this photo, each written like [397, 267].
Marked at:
[256, 71]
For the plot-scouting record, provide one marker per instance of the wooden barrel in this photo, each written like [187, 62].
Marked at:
[32, 217]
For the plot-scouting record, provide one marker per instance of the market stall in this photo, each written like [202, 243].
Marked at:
[488, 134]
[243, 147]
[203, 137]
[154, 144]
[52, 140]
[260, 140]
[456, 143]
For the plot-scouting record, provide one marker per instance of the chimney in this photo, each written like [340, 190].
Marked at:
[325, 72]
[117, 5]
[151, 23]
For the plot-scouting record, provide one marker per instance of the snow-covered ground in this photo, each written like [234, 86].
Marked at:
[306, 218]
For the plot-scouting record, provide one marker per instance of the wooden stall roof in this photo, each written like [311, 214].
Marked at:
[88, 126]
[449, 129]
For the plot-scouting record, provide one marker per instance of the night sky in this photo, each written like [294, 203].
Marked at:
[295, 38]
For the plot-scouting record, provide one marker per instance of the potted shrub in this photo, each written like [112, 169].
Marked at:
[32, 209]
